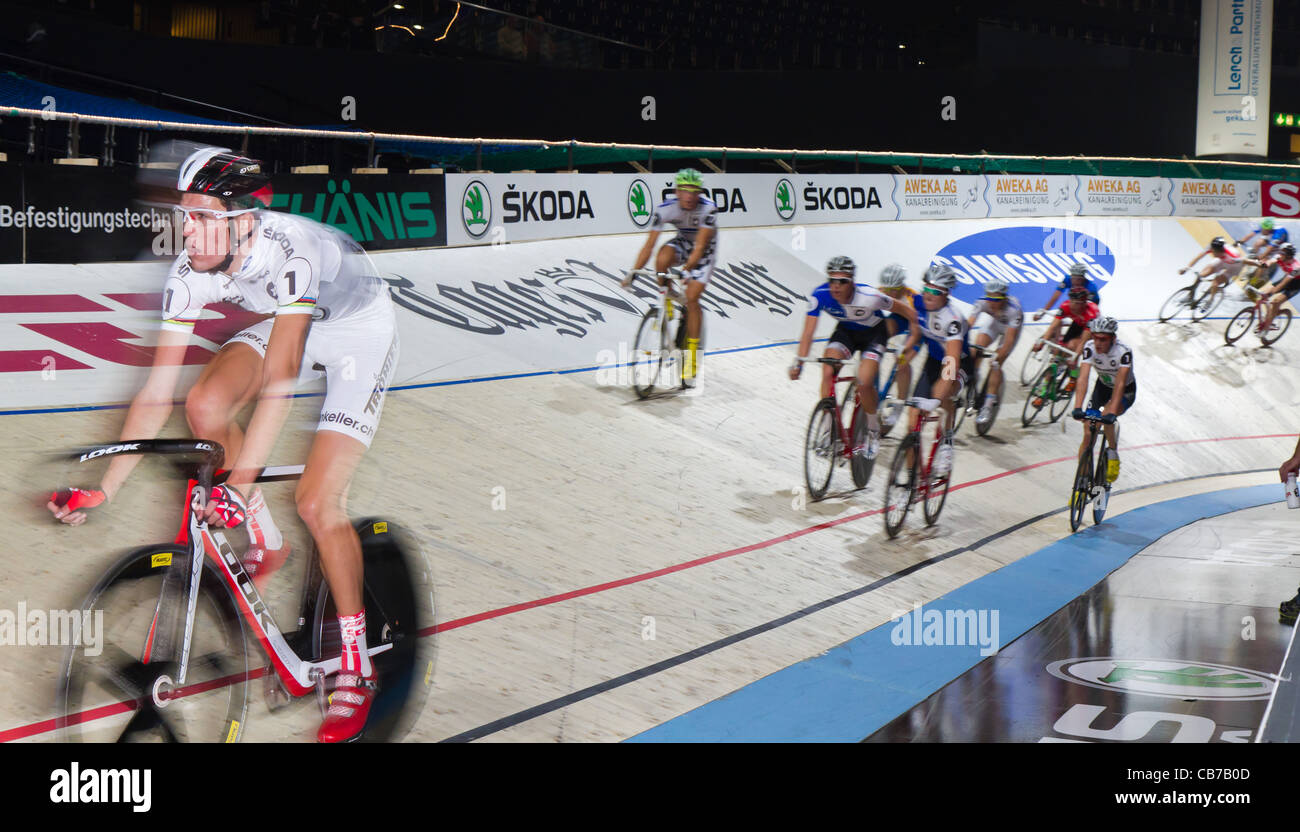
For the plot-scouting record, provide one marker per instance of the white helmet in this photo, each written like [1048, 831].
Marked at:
[941, 277]
[1078, 270]
[893, 276]
[1104, 326]
[841, 265]
[996, 288]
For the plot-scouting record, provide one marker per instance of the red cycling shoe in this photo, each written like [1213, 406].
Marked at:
[349, 706]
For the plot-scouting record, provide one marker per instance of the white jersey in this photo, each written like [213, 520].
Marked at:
[1108, 363]
[294, 267]
[687, 223]
[941, 325]
[865, 309]
[1011, 315]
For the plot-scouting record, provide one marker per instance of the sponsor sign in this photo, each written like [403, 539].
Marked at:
[1232, 100]
[1033, 260]
[1027, 195]
[939, 197]
[1281, 199]
[834, 198]
[378, 211]
[1216, 197]
[1134, 196]
[1172, 679]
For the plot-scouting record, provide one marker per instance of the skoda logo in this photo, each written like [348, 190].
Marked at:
[639, 206]
[784, 198]
[1168, 678]
[476, 209]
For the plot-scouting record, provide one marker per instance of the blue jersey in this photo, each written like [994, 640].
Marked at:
[864, 310]
[1092, 288]
[940, 326]
[1277, 237]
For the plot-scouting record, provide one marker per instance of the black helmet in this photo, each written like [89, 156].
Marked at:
[1287, 250]
[1218, 244]
[219, 172]
[1078, 294]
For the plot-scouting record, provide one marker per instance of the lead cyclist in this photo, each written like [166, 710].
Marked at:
[328, 314]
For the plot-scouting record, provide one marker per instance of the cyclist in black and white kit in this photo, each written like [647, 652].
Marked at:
[694, 249]
[860, 311]
[329, 314]
[1116, 388]
[948, 363]
[1003, 318]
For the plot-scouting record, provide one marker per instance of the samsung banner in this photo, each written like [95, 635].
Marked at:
[1232, 96]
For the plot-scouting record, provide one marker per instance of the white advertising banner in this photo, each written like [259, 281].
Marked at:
[1232, 101]
[1027, 195]
[1216, 198]
[1132, 196]
[939, 197]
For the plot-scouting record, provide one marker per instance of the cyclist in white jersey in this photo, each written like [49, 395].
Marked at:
[861, 312]
[1224, 265]
[694, 249]
[1000, 316]
[1116, 388]
[330, 315]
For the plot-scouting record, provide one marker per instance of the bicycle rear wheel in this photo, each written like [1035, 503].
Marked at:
[1203, 306]
[1281, 322]
[1036, 391]
[648, 353]
[1081, 491]
[901, 485]
[820, 449]
[115, 696]
[398, 598]
[1176, 303]
[1239, 325]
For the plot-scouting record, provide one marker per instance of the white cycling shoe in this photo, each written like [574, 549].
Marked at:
[943, 460]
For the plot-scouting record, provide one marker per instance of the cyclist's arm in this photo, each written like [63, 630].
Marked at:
[1051, 303]
[151, 406]
[279, 376]
[806, 339]
[1054, 328]
[1081, 386]
[1197, 258]
[1292, 465]
[1116, 392]
[904, 309]
[701, 245]
[648, 249]
[910, 346]
[947, 384]
[1009, 338]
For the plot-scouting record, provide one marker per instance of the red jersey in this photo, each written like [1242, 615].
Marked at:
[1089, 313]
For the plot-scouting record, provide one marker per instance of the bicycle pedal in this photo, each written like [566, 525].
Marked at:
[274, 692]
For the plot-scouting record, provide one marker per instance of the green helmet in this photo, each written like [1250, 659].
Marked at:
[689, 178]
[1266, 225]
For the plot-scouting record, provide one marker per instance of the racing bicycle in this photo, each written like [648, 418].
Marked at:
[172, 662]
[911, 480]
[660, 344]
[1193, 297]
[1051, 387]
[970, 397]
[1242, 322]
[829, 443]
[1091, 485]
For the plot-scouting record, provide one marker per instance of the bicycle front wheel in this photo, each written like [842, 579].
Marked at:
[982, 428]
[1036, 391]
[1034, 363]
[398, 599]
[961, 404]
[859, 465]
[1100, 479]
[820, 449]
[1205, 305]
[1239, 325]
[936, 494]
[1281, 322]
[901, 484]
[1176, 303]
[1081, 491]
[1062, 401]
[109, 693]
[648, 353]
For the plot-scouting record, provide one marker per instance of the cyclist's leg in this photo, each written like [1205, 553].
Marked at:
[694, 314]
[834, 349]
[668, 256]
[321, 498]
[225, 386]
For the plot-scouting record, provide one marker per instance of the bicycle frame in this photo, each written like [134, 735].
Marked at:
[846, 437]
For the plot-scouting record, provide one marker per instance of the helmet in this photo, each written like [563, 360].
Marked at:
[996, 288]
[689, 178]
[1287, 250]
[1078, 294]
[842, 264]
[1104, 325]
[1266, 225]
[1218, 244]
[1078, 270]
[941, 277]
[219, 172]
[893, 276]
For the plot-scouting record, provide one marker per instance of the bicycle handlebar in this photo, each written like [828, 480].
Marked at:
[1060, 348]
[213, 453]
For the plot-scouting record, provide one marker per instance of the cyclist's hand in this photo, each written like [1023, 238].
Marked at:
[226, 507]
[1183, 270]
[1108, 418]
[71, 505]
[1077, 414]
[627, 279]
[1039, 314]
[796, 369]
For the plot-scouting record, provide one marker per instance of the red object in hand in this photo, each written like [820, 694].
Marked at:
[78, 499]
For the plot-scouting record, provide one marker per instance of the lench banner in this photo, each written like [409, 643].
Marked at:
[1232, 101]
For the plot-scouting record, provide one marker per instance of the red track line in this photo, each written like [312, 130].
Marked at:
[48, 725]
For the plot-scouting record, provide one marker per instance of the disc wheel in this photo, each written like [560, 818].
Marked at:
[1175, 304]
[108, 693]
[1281, 322]
[648, 353]
[821, 449]
[901, 485]
[398, 599]
[1239, 325]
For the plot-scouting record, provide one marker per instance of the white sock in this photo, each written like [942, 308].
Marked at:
[873, 421]
[261, 524]
[352, 630]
